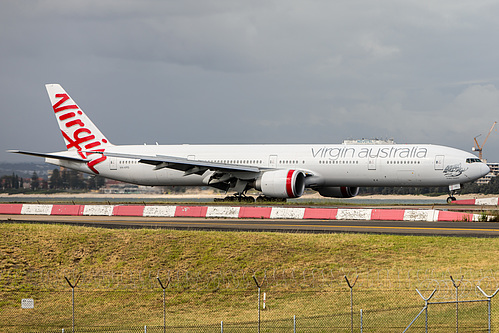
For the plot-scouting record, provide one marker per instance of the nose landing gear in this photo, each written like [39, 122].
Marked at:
[452, 190]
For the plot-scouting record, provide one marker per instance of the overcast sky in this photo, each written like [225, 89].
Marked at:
[314, 71]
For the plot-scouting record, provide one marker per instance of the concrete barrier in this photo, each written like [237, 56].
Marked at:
[478, 202]
[353, 214]
[287, 213]
[159, 211]
[255, 212]
[128, 210]
[68, 210]
[240, 212]
[320, 213]
[31, 209]
[98, 210]
[219, 211]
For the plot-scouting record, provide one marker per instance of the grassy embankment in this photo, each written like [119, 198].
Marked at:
[32, 247]
[25, 248]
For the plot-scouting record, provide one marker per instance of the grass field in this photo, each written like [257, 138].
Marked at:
[28, 248]
[31, 247]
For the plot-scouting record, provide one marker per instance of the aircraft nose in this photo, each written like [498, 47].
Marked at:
[484, 169]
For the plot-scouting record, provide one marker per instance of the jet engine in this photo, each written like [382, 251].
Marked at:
[282, 183]
[338, 192]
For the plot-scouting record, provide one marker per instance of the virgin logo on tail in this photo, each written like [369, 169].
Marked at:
[80, 138]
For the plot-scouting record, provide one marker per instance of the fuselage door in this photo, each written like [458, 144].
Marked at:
[273, 161]
[371, 164]
[439, 162]
[112, 163]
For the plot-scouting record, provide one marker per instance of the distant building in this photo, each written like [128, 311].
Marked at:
[494, 172]
[117, 187]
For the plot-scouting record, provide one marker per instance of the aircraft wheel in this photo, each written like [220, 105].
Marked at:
[451, 199]
[249, 199]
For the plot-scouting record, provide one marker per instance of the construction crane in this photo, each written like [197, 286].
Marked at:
[479, 148]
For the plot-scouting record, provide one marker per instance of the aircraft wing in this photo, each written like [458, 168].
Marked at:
[184, 164]
[49, 155]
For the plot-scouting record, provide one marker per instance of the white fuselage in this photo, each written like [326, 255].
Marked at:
[277, 171]
[330, 164]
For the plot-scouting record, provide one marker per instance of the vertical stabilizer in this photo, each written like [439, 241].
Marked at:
[79, 133]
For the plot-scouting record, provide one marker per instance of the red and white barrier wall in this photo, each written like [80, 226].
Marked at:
[478, 202]
[239, 212]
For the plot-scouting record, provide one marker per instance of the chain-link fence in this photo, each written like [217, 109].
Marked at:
[309, 278]
[305, 301]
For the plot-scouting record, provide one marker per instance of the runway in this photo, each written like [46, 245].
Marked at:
[463, 229]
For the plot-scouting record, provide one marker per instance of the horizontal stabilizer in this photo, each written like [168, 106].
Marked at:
[48, 155]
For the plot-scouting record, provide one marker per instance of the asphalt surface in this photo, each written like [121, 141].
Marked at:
[463, 229]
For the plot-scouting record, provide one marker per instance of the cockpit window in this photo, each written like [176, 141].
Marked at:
[473, 160]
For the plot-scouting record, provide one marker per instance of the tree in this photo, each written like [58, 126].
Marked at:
[15, 181]
[35, 183]
[55, 180]
[76, 180]
[95, 182]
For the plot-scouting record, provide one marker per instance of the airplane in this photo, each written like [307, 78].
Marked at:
[277, 171]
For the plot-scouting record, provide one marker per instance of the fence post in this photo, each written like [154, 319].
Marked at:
[351, 299]
[259, 290]
[457, 299]
[424, 309]
[73, 298]
[489, 301]
[164, 300]
[361, 323]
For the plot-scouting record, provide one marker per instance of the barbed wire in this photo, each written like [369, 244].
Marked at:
[273, 278]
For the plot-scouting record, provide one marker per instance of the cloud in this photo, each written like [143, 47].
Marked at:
[374, 47]
[253, 71]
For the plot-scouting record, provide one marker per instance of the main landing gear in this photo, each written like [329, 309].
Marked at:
[263, 198]
[248, 199]
[236, 197]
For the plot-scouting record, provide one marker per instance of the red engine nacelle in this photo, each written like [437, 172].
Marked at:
[282, 183]
[338, 192]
